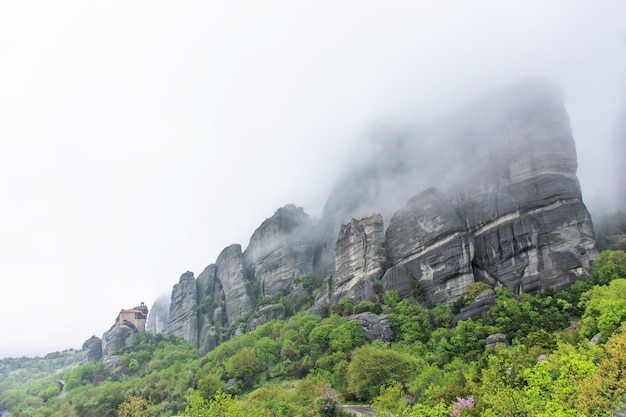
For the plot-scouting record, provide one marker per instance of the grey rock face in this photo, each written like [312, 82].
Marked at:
[230, 273]
[481, 304]
[281, 249]
[430, 249]
[116, 339]
[494, 340]
[507, 209]
[209, 296]
[374, 326]
[183, 317]
[524, 209]
[359, 254]
[92, 349]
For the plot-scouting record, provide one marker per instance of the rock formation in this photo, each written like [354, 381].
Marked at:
[514, 215]
[123, 333]
[489, 195]
[430, 249]
[359, 255]
[281, 249]
[92, 349]
[183, 317]
[375, 327]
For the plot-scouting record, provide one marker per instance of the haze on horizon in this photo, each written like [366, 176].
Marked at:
[139, 139]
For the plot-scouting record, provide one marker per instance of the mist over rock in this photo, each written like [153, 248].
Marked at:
[508, 165]
[281, 249]
[159, 314]
[489, 194]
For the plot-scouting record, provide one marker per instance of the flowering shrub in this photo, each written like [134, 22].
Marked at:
[461, 404]
[328, 402]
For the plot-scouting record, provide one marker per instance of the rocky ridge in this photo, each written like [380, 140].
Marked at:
[492, 197]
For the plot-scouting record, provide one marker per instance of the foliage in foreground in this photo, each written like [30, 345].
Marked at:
[308, 365]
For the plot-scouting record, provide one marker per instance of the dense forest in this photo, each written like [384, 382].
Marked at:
[564, 355]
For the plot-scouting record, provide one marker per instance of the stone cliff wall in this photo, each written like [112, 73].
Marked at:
[359, 255]
[430, 249]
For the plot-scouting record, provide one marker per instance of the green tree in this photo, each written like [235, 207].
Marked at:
[605, 308]
[244, 365]
[391, 399]
[609, 265]
[135, 407]
[371, 368]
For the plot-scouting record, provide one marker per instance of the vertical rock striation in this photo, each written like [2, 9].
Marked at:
[281, 249]
[183, 318]
[490, 195]
[430, 249]
[359, 254]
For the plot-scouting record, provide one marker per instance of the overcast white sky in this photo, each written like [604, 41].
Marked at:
[138, 139]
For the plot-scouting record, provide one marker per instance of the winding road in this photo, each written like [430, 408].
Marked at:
[360, 410]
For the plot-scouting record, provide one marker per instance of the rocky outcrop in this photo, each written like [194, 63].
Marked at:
[490, 196]
[231, 274]
[116, 339]
[524, 206]
[92, 349]
[281, 249]
[430, 249]
[375, 327]
[495, 340]
[183, 317]
[123, 333]
[481, 304]
[265, 314]
[359, 255]
[514, 214]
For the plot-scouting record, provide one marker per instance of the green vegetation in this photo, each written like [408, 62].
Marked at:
[308, 365]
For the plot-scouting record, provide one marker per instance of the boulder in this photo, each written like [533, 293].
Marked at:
[494, 340]
[265, 314]
[481, 304]
[375, 327]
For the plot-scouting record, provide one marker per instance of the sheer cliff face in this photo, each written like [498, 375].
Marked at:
[430, 249]
[204, 310]
[183, 319]
[514, 216]
[359, 255]
[281, 249]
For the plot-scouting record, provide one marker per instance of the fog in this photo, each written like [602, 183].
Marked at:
[139, 139]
